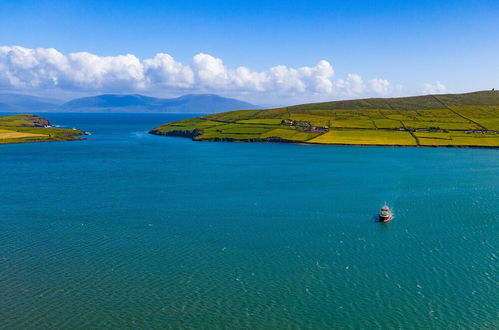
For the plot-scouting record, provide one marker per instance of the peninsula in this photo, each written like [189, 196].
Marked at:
[31, 128]
[445, 120]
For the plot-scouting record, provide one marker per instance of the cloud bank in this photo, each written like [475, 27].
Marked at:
[47, 68]
[436, 88]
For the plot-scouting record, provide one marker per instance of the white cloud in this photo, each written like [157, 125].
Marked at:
[47, 68]
[350, 86]
[379, 86]
[164, 71]
[85, 70]
[436, 88]
[210, 71]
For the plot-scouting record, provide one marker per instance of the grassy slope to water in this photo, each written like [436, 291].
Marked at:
[31, 128]
[453, 120]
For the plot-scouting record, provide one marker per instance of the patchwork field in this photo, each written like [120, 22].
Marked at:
[454, 120]
[366, 137]
[17, 135]
[30, 128]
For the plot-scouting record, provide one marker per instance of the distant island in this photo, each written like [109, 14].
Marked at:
[119, 103]
[31, 128]
[445, 120]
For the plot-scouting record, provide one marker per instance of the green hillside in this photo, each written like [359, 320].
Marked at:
[31, 128]
[457, 120]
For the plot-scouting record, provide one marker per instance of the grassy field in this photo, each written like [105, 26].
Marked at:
[17, 135]
[470, 119]
[366, 137]
[456, 138]
[30, 128]
[23, 121]
[289, 135]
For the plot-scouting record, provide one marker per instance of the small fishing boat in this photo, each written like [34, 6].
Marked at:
[385, 214]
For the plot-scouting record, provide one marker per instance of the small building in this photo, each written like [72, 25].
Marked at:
[287, 122]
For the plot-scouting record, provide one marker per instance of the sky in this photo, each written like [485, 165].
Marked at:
[265, 52]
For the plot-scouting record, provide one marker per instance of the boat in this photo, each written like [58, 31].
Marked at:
[385, 214]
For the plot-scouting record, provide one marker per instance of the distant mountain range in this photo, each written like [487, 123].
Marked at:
[131, 103]
[24, 103]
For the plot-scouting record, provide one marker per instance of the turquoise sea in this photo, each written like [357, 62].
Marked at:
[130, 230]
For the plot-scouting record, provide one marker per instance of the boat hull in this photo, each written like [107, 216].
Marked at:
[385, 218]
[385, 214]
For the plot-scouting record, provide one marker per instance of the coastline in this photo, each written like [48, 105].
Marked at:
[74, 138]
[469, 120]
[192, 136]
[27, 128]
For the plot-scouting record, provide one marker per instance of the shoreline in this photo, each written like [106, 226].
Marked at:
[467, 120]
[28, 128]
[61, 140]
[187, 134]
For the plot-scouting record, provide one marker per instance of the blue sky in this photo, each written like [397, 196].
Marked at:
[411, 47]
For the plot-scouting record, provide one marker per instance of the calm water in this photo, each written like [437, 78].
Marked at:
[130, 230]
